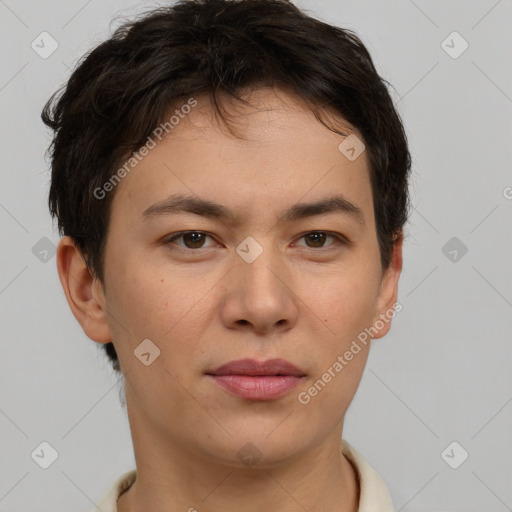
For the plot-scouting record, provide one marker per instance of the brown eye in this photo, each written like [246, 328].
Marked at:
[191, 240]
[316, 239]
[322, 240]
[194, 240]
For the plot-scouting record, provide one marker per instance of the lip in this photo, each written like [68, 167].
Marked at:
[254, 380]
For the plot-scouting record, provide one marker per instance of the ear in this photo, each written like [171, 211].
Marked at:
[84, 292]
[388, 293]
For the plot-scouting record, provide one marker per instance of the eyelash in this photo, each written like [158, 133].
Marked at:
[337, 236]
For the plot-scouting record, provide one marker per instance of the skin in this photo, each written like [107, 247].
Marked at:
[299, 300]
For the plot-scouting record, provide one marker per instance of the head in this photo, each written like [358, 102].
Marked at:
[207, 203]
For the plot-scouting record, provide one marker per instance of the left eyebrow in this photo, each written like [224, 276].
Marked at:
[335, 204]
[190, 204]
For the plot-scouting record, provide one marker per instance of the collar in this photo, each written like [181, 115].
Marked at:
[373, 497]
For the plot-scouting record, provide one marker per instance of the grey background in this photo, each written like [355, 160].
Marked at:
[442, 374]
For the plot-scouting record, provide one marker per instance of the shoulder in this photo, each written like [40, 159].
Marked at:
[374, 494]
[108, 502]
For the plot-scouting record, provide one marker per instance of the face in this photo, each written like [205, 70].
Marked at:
[223, 249]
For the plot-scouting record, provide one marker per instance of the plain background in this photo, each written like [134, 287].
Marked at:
[442, 374]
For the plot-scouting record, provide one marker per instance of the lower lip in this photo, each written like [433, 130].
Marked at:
[257, 388]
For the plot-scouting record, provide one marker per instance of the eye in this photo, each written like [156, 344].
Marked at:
[191, 239]
[317, 239]
[197, 239]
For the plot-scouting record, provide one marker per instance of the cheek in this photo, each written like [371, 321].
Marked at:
[150, 304]
[147, 296]
[346, 306]
[345, 301]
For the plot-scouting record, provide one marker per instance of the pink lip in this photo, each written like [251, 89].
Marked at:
[253, 380]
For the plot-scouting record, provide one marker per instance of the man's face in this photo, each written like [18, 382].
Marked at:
[254, 284]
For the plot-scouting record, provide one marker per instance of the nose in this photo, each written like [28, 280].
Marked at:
[260, 296]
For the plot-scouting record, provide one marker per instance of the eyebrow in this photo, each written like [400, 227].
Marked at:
[190, 204]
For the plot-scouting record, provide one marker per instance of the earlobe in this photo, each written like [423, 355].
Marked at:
[388, 293]
[84, 293]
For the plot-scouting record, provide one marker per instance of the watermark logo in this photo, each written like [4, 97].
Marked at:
[249, 249]
[454, 45]
[454, 455]
[44, 249]
[137, 156]
[454, 249]
[146, 352]
[44, 45]
[351, 147]
[249, 455]
[304, 397]
[44, 455]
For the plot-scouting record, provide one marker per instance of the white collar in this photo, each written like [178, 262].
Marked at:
[374, 495]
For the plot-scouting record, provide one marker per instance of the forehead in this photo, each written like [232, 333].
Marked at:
[280, 154]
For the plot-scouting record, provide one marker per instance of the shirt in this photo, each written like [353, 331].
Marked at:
[373, 494]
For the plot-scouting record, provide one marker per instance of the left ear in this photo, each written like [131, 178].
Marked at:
[388, 293]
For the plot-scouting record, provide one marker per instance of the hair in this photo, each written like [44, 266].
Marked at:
[121, 90]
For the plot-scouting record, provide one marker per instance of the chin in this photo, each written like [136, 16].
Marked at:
[258, 448]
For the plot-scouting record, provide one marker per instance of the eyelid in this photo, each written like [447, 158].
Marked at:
[341, 239]
[174, 236]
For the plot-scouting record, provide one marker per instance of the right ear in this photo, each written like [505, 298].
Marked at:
[84, 293]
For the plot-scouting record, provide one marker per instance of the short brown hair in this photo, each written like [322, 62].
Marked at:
[122, 89]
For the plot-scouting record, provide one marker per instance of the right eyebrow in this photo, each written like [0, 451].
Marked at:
[189, 204]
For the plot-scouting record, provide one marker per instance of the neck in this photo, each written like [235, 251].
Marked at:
[171, 476]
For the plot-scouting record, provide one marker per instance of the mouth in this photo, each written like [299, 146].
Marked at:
[259, 381]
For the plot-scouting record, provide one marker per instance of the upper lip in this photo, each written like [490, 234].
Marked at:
[255, 368]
